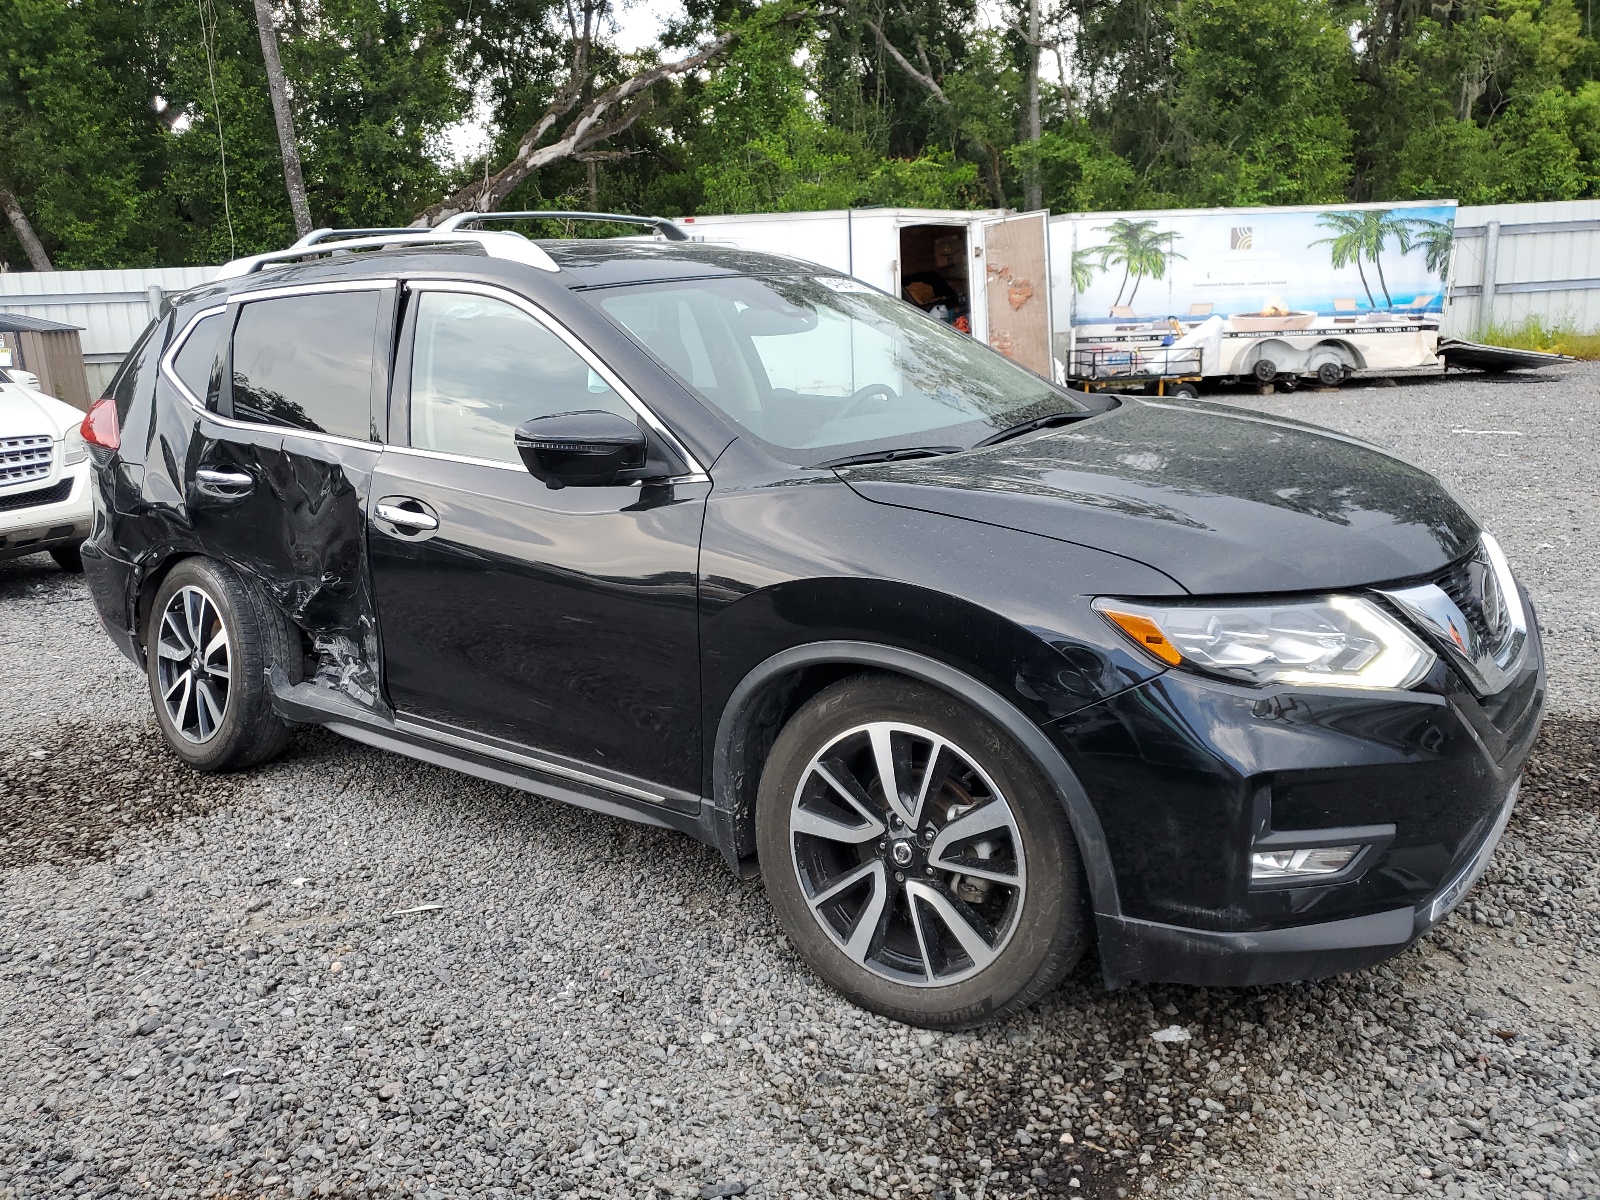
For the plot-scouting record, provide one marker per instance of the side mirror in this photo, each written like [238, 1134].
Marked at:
[581, 449]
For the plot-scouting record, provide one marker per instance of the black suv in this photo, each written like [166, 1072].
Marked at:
[970, 668]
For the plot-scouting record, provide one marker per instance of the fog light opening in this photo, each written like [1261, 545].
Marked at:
[1305, 863]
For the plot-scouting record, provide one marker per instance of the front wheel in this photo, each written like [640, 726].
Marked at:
[208, 646]
[919, 861]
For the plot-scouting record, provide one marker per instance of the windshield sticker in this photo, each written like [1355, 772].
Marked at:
[839, 283]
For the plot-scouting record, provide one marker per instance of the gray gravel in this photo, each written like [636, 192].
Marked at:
[351, 974]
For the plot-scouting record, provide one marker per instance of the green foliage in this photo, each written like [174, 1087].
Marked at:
[114, 121]
[1261, 90]
[1536, 333]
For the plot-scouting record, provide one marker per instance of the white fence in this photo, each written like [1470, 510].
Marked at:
[111, 307]
[1515, 261]
[1511, 261]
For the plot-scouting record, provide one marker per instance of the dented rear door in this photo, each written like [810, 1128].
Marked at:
[279, 473]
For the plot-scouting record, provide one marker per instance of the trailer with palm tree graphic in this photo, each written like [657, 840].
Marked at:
[1278, 295]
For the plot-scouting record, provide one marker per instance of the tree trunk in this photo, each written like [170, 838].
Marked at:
[1031, 190]
[293, 179]
[31, 245]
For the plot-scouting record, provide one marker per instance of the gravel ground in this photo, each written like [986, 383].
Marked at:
[351, 974]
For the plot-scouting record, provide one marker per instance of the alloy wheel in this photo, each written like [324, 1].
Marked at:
[194, 664]
[907, 854]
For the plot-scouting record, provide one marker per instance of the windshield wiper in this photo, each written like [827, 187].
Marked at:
[882, 456]
[1044, 422]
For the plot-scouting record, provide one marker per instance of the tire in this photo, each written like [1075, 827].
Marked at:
[1330, 374]
[257, 637]
[1033, 907]
[1186, 391]
[69, 558]
[1265, 370]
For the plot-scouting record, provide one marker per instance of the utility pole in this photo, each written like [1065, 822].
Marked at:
[293, 179]
[1033, 198]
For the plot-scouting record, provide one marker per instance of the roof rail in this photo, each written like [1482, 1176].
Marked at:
[317, 235]
[495, 244]
[661, 225]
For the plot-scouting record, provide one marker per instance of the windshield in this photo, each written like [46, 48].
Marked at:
[825, 367]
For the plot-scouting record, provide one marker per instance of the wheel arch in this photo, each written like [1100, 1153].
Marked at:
[1347, 352]
[769, 693]
[149, 582]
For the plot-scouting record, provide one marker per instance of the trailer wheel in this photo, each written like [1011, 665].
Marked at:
[1187, 390]
[1265, 370]
[1330, 374]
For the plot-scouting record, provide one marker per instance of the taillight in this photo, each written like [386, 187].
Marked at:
[99, 426]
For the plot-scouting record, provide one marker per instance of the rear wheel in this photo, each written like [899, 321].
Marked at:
[208, 646]
[1187, 391]
[1265, 370]
[919, 861]
[1330, 374]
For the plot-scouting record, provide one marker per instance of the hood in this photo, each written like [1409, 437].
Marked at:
[1221, 500]
[25, 412]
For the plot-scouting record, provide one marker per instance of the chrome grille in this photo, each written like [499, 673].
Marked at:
[1472, 585]
[1474, 614]
[25, 459]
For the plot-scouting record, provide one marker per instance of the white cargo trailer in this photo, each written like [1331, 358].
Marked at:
[1314, 291]
[1318, 291]
[986, 272]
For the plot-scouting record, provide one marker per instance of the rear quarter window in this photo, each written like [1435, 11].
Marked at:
[306, 362]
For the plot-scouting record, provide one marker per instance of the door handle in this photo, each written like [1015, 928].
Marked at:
[226, 485]
[409, 519]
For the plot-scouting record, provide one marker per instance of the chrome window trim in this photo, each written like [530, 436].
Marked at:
[696, 473]
[170, 357]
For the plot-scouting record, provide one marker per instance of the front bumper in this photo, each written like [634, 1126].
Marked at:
[51, 513]
[1131, 949]
[1189, 776]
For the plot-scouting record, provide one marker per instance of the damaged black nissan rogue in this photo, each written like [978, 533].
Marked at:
[973, 670]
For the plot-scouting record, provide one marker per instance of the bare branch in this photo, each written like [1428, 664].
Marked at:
[589, 127]
[20, 225]
[926, 80]
[990, 155]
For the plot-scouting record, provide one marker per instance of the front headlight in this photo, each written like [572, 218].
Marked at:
[74, 450]
[1343, 641]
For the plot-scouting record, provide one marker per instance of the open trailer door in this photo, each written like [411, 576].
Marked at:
[1016, 289]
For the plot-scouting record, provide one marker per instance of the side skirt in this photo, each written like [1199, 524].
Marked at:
[484, 758]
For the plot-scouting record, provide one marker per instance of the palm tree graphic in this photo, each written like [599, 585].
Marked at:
[1436, 238]
[1362, 236]
[1140, 249]
[1083, 268]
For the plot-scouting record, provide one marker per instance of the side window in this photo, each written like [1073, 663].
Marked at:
[306, 362]
[193, 362]
[481, 367]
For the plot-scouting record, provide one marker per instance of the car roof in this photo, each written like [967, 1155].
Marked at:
[608, 262]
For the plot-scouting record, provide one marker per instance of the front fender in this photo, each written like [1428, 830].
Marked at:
[733, 789]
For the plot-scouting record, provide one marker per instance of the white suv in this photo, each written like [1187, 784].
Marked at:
[45, 503]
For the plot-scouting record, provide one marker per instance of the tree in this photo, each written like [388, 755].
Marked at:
[37, 258]
[560, 135]
[277, 85]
